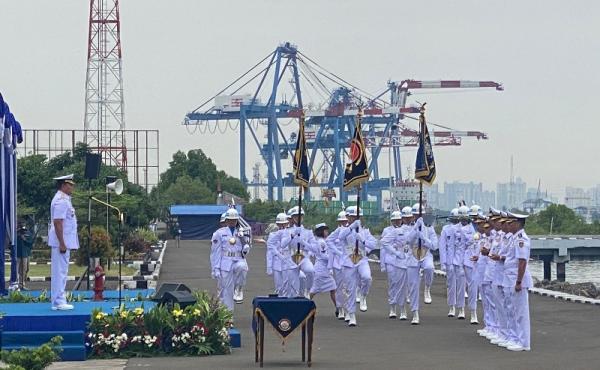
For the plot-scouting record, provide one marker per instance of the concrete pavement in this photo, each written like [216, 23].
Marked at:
[564, 334]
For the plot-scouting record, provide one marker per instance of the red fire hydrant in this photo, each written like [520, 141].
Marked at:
[98, 283]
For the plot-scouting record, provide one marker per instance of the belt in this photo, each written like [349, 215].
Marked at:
[233, 254]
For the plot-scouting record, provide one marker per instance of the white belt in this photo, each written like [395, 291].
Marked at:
[233, 254]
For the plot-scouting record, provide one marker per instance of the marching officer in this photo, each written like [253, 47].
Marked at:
[62, 238]
[460, 245]
[446, 249]
[471, 237]
[278, 258]
[227, 258]
[355, 263]
[393, 260]
[337, 250]
[422, 239]
[297, 238]
[324, 281]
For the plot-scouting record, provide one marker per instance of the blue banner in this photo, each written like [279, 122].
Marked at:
[357, 171]
[425, 163]
[301, 172]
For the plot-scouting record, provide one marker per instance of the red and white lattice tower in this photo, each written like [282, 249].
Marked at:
[104, 115]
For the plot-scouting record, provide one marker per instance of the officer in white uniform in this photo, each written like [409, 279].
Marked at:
[470, 261]
[490, 316]
[337, 249]
[504, 240]
[393, 261]
[277, 260]
[355, 235]
[460, 244]
[227, 255]
[299, 238]
[428, 241]
[517, 274]
[62, 238]
[446, 250]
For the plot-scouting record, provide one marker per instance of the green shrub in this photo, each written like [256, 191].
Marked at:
[33, 359]
[100, 245]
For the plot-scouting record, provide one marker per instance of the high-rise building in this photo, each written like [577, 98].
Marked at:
[511, 195]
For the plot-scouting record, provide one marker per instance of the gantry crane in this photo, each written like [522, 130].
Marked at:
[330, 104]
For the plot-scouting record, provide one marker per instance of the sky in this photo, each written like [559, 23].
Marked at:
[178, 53]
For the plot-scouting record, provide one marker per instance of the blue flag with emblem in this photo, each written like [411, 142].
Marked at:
[425, 163]
[357, 171]
[301, 172]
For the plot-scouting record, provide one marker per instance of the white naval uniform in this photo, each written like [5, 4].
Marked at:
[393, 251]
[458, 264]
[274, 260]
[324, 281]
[338, 250]
[501, 309]
[61, 209]
[358, 274]
[484, 283]
[227, 262]
[294, 237]
[517, 313]
[429, 242]
[446, 250]
[471, 249]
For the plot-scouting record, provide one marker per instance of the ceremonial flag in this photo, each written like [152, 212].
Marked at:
[301, 173]
[357, 171]
[425, 163]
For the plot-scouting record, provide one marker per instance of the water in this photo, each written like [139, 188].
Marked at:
[577, 271]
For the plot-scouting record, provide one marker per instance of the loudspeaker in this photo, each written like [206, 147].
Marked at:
[169, 287]
[92, 166]
[183, 299]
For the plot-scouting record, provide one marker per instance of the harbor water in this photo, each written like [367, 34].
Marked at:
[577, 271]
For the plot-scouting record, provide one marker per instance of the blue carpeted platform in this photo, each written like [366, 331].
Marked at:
[126, 294]
[32, 324]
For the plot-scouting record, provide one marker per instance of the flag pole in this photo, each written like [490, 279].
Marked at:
[421, 131]
[358, 218]
[299, 215]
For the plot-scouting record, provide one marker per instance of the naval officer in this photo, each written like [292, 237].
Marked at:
[62, 238]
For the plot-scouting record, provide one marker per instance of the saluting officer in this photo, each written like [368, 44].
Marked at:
[62, 238]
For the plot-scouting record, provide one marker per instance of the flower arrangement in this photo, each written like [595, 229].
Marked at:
[199, 329]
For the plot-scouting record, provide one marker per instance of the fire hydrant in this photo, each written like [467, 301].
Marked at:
[98, 283]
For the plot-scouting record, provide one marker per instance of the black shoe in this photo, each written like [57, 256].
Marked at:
[337, 312]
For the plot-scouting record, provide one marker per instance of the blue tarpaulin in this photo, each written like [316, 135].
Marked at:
[198, 221]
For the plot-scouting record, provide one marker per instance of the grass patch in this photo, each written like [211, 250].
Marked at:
[74, 270]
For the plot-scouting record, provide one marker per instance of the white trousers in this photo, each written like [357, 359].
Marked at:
[397, 284]
[240, 281]
[450, 285]
[352, 276]
[522, 326]
[502, 330]
[227, 282]
[489, 308]
[338, 276]
[414, 281]
[306, 281]
[471, 286]
[59, 270]
[278, 281]
[459, 276]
